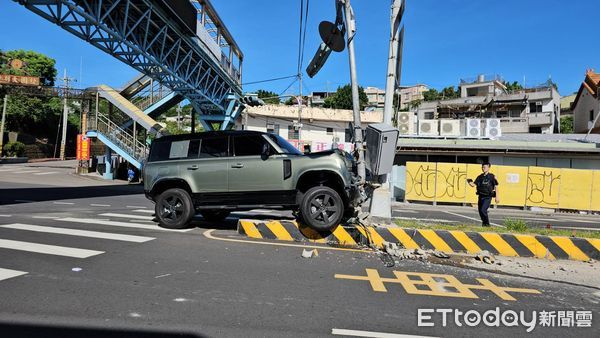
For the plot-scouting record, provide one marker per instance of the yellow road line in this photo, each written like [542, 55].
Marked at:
[537, 248]
[279, 231]
[500, 244]
[465, 241]
[570, 248]
[250, 229]
[435, 240]
[404, 238]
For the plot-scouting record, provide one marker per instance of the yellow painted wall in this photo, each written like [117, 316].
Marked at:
[596, 191]
[451, 182]
[420, 181]
[575, 192]
[518, 186]
[512, 185]
[543, 187]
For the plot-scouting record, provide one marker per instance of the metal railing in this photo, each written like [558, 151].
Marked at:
[122, 138]
[150, 95]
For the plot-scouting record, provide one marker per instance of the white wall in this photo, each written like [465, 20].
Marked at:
[581, 112]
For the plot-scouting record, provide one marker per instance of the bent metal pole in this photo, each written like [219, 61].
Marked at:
[358, 134]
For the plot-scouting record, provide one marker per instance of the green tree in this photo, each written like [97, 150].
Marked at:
[268, 97]
[450, 92]
[342, 99]
[513, 86]
[566, 124]
[36, 64]
[431, 95]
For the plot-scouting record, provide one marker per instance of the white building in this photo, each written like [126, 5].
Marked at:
[318, 127]
[586, 106]
[376, 98]
[411, 95]
[531, 110]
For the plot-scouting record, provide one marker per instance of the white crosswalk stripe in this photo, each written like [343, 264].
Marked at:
[144, 211]
[27, 172]
[48, 249]
[109, 214]
[47, 173]
[118, 224]
[79, 233]
[7, 273]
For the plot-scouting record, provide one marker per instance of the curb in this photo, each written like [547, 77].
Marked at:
[449, 241]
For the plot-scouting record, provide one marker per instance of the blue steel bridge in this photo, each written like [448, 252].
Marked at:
[182, 50]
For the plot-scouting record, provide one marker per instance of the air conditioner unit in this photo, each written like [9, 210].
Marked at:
[492, 128]
[473, 128]
[449, 127]
[406, 123]
[429, 127]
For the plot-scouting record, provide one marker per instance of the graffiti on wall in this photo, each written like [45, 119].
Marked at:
[420, 180]
[451, 183]
[543, 188]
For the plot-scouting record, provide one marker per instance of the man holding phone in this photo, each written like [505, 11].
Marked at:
[487, 187]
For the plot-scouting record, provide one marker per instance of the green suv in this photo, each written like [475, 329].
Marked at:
[219, 172]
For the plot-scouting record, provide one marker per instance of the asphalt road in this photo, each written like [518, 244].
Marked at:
[86, 260]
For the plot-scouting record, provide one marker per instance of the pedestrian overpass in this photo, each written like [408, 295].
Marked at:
[182, 50]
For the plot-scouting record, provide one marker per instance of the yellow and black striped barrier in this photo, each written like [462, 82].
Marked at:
[449, 241]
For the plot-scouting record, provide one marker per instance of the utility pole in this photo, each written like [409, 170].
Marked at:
[300, 101]
[381, 206]
[358, 133]
[63, 141]
[2, 123]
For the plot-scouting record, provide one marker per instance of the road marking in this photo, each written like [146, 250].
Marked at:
[110, 214]
[5, 215]
[119, 224]
[372, 334]
[208, 234]
[440, 285]
[99, 205]
[27, 172]
[80, 233]
[575, 228]
[64, 203]
[48, 249]
[46, 217]
[578, 220]
[135, 207]
[145, 211]
[524, 218]
[47, 173]
[472, 218]
[6, 273]
[425, 219]
[406, 211]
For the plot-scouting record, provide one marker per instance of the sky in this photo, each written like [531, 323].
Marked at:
[527, 41]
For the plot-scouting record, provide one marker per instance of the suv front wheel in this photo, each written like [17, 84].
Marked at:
[322, 208]
[174, 209]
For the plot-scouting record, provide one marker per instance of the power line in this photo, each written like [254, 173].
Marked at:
[300, 35]
[270, 80]
[304, 35]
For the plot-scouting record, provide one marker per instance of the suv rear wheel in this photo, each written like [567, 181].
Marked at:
[322, 208]
[214, 215]
[174, 209]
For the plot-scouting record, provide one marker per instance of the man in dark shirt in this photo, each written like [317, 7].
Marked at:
[487, 187]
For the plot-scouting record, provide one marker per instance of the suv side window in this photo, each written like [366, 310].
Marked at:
[212, 147]
[159, 151]
[248, 145]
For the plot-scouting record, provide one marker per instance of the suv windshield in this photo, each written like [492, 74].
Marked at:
[285, 146]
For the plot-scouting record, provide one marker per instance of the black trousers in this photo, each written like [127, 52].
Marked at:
[483, 204]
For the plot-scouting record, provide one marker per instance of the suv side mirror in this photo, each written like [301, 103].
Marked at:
[266, 151]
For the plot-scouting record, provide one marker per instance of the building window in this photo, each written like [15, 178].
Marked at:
[591, 116]
[329, 131]
[515, 113]
[348, 135]
[273, 128]
[428, 115]
[501, 114]
[293, 133]
[535, 107]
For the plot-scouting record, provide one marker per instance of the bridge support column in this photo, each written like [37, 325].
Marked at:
[108, 172]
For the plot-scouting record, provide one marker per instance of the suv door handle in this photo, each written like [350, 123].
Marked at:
[237, 166]
[194, 167]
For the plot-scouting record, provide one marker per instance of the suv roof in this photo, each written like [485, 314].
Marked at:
[207, 133]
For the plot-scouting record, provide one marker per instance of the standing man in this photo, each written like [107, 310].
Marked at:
[487, 185]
